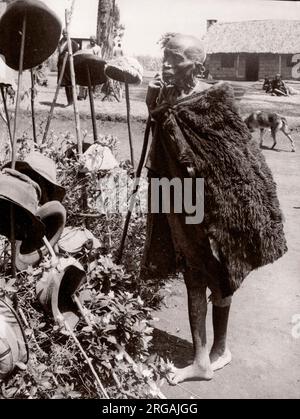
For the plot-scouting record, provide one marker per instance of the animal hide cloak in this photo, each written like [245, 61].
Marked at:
[242, 212]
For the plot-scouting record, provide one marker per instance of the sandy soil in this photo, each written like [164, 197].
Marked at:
[266, 362]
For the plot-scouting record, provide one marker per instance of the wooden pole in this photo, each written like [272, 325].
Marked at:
[92, 104]
[72, 73]
[14, 146]
[55, 98]
[20, 74]
[129, 123]
[32, 106]
[6, 114]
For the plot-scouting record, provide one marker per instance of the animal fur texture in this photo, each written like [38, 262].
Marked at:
[242, 212]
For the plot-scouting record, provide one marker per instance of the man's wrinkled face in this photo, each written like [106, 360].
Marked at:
[176, 66]
[181, 55]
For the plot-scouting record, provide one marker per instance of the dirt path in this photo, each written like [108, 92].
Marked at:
[266, 362]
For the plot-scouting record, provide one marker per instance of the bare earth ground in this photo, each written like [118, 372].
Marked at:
[266, 362]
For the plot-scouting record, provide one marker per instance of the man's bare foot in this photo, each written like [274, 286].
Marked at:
[193, 372]
[219, 359]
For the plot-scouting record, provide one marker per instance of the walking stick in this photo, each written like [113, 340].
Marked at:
[55, 98]
[129, 122]
[32, 106]
[120, 251]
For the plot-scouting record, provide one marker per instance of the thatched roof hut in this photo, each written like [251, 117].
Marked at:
[250, 50]
[255, 36]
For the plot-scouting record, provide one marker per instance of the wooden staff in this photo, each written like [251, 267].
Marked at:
[32, 106]
[92, 104]
[72, 73]
[129, 122]
[55, 98]
[6, 114]
[120, 251]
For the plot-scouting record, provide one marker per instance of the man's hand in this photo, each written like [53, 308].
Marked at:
[153, 91]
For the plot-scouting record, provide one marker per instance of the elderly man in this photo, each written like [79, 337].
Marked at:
[62, 51]
[198, 133]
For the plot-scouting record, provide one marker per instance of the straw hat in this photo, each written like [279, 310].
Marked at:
[13, 344]
[19, 192]
[125, 70]
[53, 215]
[57, 287]
[73, 240]
[43, 29]
[42, 170]
[84, 61]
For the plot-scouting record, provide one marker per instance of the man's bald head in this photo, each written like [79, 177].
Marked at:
[188, 45]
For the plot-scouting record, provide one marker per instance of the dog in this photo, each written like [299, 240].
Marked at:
[263, 120]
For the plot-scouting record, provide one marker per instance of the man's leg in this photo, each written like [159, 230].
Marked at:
[220, 355]
[197, 304]
[69, 95]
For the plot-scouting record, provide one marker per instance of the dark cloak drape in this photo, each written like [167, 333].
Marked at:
[242, 212]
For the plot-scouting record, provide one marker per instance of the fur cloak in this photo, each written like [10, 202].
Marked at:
[242, 212]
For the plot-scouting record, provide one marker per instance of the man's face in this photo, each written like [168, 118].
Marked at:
[180, 57]
[176, 66]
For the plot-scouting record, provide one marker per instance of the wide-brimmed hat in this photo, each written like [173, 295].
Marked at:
[85, 62]
[42, 170]
[125, 70]
[43, 29]
[53, 215]
[13, 344]
[57, 287]
[20, 194]
[73, 240]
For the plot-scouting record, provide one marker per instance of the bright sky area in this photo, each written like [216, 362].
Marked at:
[147, 20]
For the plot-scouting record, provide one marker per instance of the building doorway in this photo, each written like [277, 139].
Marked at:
[252, 67]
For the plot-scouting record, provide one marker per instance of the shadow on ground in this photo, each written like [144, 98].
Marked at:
[176, 350]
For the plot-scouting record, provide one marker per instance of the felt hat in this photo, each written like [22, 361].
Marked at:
[53, 215]
[125, 70]
[42, 170]
[13, 344]
[43, 29]
[57, 287]
[73, 240]
[84, 62]
[20, 193]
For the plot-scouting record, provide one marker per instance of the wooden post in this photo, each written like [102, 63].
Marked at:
[14, 147]
[55, 98]
[92, 104]
[20, 74]
[72, 73]
[129, 123]
[32, 106]
[6, 114]
[237, 66]
[280, 64]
